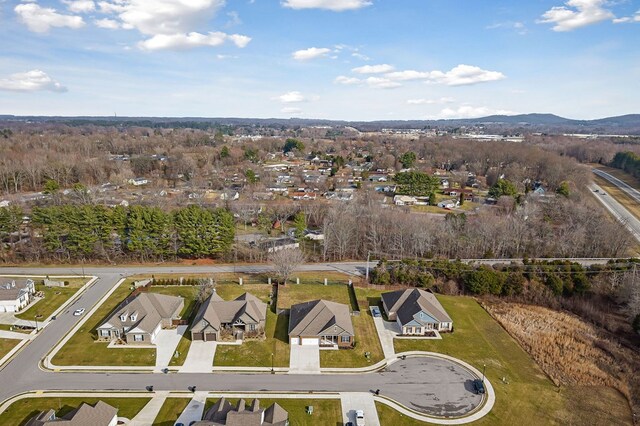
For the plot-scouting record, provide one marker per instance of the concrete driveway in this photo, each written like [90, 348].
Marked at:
[304, 359]
[166, 344]
[200, 358]
[353, 401]
[10, 319]
[387, 330]
[195, 409]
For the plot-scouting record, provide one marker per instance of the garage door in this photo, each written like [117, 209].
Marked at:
[210, 337]
[310, 341]
[198, 336]
[295, 340]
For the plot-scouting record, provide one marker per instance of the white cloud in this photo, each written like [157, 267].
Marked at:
[462, 75]
[291, 97]
[343, 79]
[30, 81]
[628, 19]
[310, 53]
[41, 19]
[334, 5]
[381, 83]
[373, 69]
[291, 110]
[443, 100]
[518, 27]
[108, 24]
[171, 24]
[80, 6]
[191, 40]
[575, 14]
[360, 56]
[467, 111]
[408, 75]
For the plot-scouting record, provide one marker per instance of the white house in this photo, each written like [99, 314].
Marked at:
[138, 181]
[449, 204]
[15, 295]
[404, 200]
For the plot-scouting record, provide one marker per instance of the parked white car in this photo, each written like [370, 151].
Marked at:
[359, 418]
[78, 312]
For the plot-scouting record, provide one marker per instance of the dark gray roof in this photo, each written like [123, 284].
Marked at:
[224, 414]
[320, 317]
[216, 311]
[407, 303]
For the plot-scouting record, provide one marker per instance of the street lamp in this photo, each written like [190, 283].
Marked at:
[272, 370]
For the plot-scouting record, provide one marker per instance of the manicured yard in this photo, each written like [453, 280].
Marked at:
[8, 327]
[529, 394]
[21, 411]
[256, 352]
[291, 294]
[325, 411]
[170, 411]
[83, 349]
[54, 297]
[6, 345]
[366, 337]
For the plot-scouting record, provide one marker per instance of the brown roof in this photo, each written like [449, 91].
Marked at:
[319, 318]
[215, 311]
[150, 310]
[243, 414]
[101, 414]
[407, 303]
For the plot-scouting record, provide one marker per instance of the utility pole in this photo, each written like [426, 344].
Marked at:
[367, 272]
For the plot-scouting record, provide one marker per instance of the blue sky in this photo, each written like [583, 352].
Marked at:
[335, 59]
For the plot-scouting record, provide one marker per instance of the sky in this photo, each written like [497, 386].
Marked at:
[328, 59]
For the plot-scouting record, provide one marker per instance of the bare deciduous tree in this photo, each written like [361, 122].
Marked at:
[285, 262]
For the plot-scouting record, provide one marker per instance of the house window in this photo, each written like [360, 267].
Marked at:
[137, 338]
[418, 330]
[345, 339]
[134, 317]
[252, 327]
[123, 317]
[104, 333]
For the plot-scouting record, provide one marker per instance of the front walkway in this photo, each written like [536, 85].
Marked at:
[387, 330]
[148, 414]
[200, 358]
[304, 359]
[353, 401]
[166, 344]
[195, 409]
[4, 334]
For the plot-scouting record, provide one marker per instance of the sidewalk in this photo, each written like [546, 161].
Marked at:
[195, 409]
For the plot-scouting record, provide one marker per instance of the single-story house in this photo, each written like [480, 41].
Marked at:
[16, 294]
[244, 315]
[322, 323]
[404, 200]
[416, 311]
[100, 414]
[448, 204]
[138, 319]
[223, 413]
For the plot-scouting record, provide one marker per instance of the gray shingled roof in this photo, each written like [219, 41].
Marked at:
[216, 311]
[318, 318]
[407, 303]
[99, 415]
[222, 413]
[13, 288]
[150, 308]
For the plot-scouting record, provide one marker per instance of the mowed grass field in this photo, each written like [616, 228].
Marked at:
[6, 345]
[19, 413]
[527, 396]
[170, 411]
[326, 412]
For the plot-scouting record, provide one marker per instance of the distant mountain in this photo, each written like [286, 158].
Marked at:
[624, 124]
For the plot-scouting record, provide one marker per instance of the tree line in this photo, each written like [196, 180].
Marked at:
[95, 232]
[628, 162]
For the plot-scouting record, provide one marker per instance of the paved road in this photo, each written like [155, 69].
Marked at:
[617, 210]
[631, 191]
[408, 382]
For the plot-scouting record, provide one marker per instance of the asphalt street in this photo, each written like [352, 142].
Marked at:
[617, 210]
[631, 191]
[425, 384]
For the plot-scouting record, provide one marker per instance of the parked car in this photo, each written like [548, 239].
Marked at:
[478, 386]
[359, 418]
[78, 312]
[375, 311]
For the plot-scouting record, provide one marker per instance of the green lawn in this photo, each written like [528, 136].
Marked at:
[325, 411]
[6, 345]
[291, 294]
[83, 349]
[54, 297]
[366, 337]
[170, 411]
[21, 411]
[529, 395]
[256, 352]
[8, 327]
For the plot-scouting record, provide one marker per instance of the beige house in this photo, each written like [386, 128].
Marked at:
[416, 311]
[100, 414]
[245, 315]
[322, 323]
[223, 413]
[139, 319]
